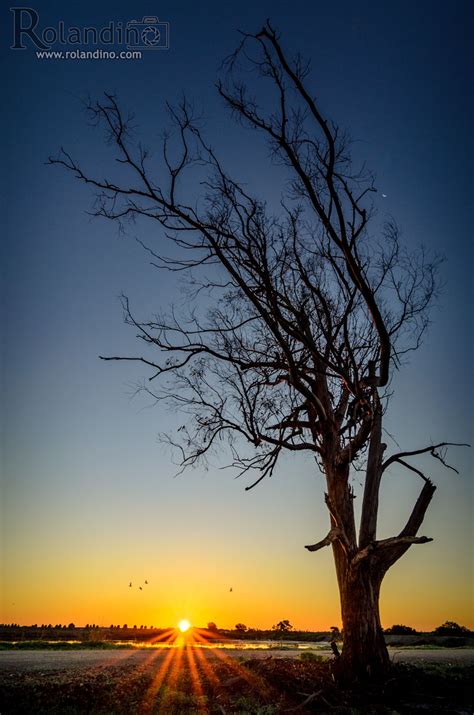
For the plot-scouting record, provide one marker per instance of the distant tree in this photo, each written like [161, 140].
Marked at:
[71, 626]
[211, 626]
[124, 627]
[309, 309]
[282, 626]
[241, 627]
[451, 628]
[400, 630]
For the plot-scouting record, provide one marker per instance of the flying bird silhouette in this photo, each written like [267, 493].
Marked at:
[146, 582]
[230, 589]
[130, 585]
[141, 589]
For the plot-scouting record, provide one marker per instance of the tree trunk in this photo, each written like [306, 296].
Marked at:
[364, 653]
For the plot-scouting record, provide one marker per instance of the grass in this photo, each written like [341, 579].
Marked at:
[311, 657]
[234, 687]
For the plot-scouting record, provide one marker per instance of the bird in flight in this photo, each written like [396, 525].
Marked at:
[141, 589]
[146, 582]
[230, 589]
[130, 585]
[384, 196]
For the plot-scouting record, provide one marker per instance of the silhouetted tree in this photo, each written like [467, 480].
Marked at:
[241, 627]
[400, 630]
[211, 626]
[451, 628]
[282, 626]
[306, 312]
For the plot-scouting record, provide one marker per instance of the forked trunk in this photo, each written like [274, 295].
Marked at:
[364, 653]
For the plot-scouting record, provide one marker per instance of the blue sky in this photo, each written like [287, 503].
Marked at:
[88, 490]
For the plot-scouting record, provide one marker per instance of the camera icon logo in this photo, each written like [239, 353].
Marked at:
[148, 34]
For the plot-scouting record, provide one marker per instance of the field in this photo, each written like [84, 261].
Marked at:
[192, 680]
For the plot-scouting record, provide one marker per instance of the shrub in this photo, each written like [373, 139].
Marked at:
[399, 630]
[451, 628]
[307, 655]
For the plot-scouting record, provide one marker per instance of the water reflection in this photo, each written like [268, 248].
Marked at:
[180, 642]
[229, 645]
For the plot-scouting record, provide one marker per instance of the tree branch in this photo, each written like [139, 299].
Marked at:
[370, 504]
[425, 450]
[333, 535]
[391, 542]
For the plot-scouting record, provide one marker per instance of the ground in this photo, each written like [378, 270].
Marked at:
[188, 680]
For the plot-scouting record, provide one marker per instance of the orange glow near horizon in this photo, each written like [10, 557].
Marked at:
[64, 589]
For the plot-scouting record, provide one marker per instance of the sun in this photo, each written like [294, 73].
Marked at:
[184, 626]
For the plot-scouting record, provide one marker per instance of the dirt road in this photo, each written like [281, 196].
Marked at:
[50, 660]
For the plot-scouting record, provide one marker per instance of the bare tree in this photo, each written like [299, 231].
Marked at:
[305, 316]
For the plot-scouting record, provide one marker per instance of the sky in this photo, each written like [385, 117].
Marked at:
[89, 497]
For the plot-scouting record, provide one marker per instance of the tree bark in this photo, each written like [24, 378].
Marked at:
[364, 652]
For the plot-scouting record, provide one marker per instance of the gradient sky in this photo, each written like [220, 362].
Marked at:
[89, 501]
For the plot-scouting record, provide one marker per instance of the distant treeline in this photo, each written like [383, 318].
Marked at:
[89, 632]
[92, 632]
